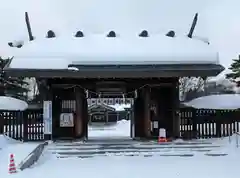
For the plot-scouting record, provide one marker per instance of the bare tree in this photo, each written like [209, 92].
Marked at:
[33, 88]
[190, 85]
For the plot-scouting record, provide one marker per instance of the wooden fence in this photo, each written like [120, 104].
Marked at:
[207, 123]
[194, 123]
[22, 125]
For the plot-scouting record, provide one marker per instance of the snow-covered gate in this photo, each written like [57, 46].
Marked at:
[208, 123]
[22, 125]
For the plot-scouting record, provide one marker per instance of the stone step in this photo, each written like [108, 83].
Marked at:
[129, 147]
[133, 147]
[131, 143]
[126, 155]
[92, 152]
[143, 155]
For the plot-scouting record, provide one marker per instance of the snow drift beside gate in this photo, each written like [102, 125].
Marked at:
[13, 104]
[225, 101]
[121, 129]
[5, 140]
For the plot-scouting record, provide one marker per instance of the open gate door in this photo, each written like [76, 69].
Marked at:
[64, 113]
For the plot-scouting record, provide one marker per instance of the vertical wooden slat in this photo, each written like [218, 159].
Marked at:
[10, 116]
[21, 126]
[25, 126]
[1, 123]
[16, 124]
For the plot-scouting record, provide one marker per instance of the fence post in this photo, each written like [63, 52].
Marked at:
[229, 135]
[194, 133]
[218, 124]
[25, 125]
[1, 123]
[237, 142]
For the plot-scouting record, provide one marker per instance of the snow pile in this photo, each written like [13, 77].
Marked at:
[5, 141]
[121, 129]
[224, 101]
[20, 151]
[123, 125]
[228, 145]
[9, 103]
[120, 107]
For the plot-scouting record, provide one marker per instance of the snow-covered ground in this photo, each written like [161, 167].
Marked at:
[121, 157]
[9, 146]
[121, 129]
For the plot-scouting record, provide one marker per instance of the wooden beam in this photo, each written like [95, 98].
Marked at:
[29, 29]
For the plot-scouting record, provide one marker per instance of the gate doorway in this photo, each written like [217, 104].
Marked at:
[153, 107]
[64, 114]
[109, 118]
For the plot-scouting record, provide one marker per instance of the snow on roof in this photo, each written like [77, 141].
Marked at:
[121, 107]
[225, 101]
[98, 49]
[96, 105]
[9, 103]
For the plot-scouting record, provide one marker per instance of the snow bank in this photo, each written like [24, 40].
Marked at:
[20, 151]
[121, 129]
[10, 146]
[225, 101]
[5, 141]
[9, 103]
[121, 107]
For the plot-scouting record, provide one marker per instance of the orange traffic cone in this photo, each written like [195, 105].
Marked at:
[162, 135]
[12, 167]
[162, 139]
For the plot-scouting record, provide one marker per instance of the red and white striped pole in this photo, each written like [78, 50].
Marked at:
[12, 167]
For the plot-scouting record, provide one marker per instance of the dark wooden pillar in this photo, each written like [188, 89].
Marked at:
[79, 110]
[154, 112]
[167, 102]
[85, 117]
[56, 110]
[138, 108]
[176, 111]
[146, 116]
[81, 118]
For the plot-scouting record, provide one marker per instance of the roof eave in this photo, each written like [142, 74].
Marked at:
[128, 71]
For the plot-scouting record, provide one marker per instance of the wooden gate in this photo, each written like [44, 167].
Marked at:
[64, 111]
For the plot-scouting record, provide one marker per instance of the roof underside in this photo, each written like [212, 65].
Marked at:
[122, 71]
